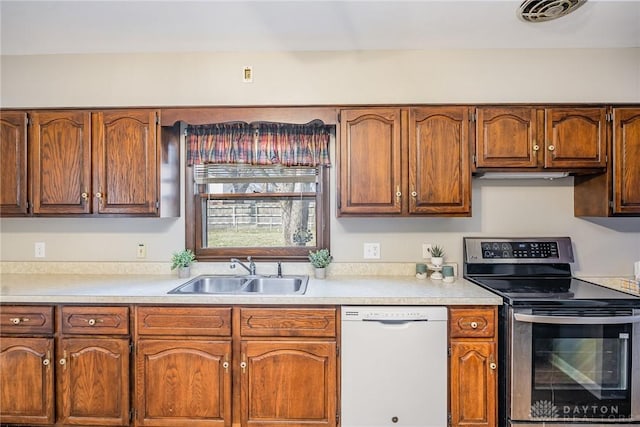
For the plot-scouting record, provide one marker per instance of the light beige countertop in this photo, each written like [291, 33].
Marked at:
[152, 289]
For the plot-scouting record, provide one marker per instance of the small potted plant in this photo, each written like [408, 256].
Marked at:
[320, 259]
[182, 260]
[437, 255]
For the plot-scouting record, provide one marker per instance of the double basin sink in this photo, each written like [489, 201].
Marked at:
[237, 285]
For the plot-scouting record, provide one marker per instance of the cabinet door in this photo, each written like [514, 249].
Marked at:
[13, 163]
[26, 381]
[288, 382]
[126, 162]
[439, 168]
[370, 162]
[93, 379]
[575, 138]
[183, 382]
[626, 159]
[61, 162]
[506, 137]
[473, 383]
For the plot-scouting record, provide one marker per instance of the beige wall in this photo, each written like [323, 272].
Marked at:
[457, 76]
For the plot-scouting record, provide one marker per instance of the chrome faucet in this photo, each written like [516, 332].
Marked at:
[251, 268]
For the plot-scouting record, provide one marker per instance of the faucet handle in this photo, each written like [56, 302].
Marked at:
[279, 269]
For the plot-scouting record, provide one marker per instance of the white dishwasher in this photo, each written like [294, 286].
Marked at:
[394, 366]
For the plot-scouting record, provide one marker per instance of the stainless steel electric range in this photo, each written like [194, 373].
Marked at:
[569, 349]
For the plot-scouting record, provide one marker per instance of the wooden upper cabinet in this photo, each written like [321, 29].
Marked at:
[439, 164]
[626, 159]
[84, 162]
[61, 162]
[506, 137]
[571, 138]
[13, 163]
[409, 161]
[125, 160]
[370, 161]
[575, 138]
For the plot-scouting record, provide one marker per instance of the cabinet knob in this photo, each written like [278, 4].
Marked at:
[414, 194]
[91, 322]
[493, 366]
[474, 325]
[552, 147]
[17, 320]
[84, 196]
[46, 362]
[62, 362]
[99, 195]
[243, 365]
[536, 147]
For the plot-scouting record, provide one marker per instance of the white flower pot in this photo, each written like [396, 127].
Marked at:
[437, 261]
[320, 273]
[184, 272]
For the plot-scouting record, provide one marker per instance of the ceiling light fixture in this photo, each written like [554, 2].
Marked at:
[546, 10]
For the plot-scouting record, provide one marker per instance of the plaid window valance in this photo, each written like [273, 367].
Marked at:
[259, 144]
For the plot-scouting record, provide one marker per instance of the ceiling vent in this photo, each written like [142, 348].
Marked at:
[546, 10]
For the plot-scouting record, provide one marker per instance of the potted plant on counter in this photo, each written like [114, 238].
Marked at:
[182, 260]
[320, 260]
[437, 255]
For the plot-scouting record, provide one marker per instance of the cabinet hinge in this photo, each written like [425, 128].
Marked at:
[337, 419]
[157, 119]
[475, 160]
[28, 121]
[339, 117]
[157, 204]
[449, 351]
[132, 414]
[449, 418]
[337, 350]
[611, 204]
[472, 117]
[131, 348]
[609, 117]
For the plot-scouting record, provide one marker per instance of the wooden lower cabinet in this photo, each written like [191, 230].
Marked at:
[473, 375]
[93, 381]
[183, 382]
[26, 380]
[288, 382]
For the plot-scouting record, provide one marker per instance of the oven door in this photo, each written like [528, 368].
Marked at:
[574, 366]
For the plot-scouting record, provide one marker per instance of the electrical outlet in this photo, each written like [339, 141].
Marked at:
[39, 250]
[371, 251]
[142, 251]
[426, 250]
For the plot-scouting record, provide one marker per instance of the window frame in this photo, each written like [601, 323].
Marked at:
[193, 227]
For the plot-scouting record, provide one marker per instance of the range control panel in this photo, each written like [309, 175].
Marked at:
[517, 250]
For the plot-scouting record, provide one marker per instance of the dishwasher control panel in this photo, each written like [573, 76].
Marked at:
[385, 313]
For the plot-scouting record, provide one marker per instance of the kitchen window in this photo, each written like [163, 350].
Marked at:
[259, 190]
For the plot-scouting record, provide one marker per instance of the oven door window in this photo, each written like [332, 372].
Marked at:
[584, 371]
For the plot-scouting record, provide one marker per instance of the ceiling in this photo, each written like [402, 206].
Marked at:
[115, 26]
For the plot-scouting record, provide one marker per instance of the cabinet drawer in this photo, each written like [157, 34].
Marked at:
[184, 321]
[95, 320]
[288, 322]
[471, 322]
[26, 319]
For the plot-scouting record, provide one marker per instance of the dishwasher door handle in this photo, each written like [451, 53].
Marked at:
[395, 321]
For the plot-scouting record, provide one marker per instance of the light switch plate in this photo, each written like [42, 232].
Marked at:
[371, 251]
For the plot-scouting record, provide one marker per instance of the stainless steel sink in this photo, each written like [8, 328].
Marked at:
[277, 285]
[265, 285]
